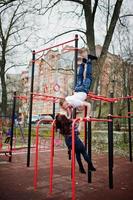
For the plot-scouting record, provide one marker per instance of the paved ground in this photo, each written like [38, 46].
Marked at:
[16, 180]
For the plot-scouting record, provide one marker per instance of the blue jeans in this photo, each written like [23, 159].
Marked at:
[83, 85]
[79, 149]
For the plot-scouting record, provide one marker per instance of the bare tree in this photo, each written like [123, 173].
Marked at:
[11, 25]
[89, 10]
[125, 44]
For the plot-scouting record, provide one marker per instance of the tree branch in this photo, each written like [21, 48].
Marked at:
[57, 36]
[94, 9]
[47, 7]
[5, 2]
[12, 67]
[76, 1]
[122, 23]
[128, 15]
[11, 23]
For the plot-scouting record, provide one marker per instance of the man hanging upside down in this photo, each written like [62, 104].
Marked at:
[77, 100]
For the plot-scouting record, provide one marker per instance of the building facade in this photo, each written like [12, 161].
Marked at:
[54, 75]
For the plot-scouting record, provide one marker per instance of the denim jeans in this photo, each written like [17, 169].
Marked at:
[79, 149]
[83, 85]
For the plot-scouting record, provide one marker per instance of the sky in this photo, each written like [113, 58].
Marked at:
[43, 28]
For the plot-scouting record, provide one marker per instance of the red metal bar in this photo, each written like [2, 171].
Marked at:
[36, 157]
[102, 98]
[94, 119]
[98, 120]
[36, 152]
[54, 100]
[38, 57]
[130, 112]
[95, 97]
[51, 156]
[41, 97]
[45, 95]
[73, 158]
[54, 46]
[127, 97]
[117, 116]
[22, 97]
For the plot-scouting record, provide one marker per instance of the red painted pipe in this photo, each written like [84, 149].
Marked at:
[36, 152]
[55, 46]
[51, 156]
[73, 158]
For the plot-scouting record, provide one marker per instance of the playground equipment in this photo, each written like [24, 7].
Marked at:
[87, 140]
[34, 53]
[87, 127]
[15, 97]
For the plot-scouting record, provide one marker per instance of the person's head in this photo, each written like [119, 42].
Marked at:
[63, 123]
[64, 104]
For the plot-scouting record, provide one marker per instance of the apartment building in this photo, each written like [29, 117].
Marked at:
[54, 75]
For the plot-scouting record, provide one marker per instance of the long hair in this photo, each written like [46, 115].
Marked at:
[63, 124]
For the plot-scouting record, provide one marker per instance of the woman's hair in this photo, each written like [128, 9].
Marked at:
[63, 124]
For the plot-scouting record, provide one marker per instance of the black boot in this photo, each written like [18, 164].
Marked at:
[82, 171]
[91, 167]
[91, 57]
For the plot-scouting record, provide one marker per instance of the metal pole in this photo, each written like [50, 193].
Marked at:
[85, 128]
[53, 115]
[111, 104]
[12, 125]
[89, 134]
[110, 152]
[76, 60]
[110, 144]
[129, 130]
[75, 68]
[30, 110]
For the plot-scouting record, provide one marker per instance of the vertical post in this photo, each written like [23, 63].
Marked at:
[75, 67]
[111, 104]
[110, 144]
[30, 109]
[85, 128]
[53, 110]
[36, 158]
[110, 152]
[73, 161]
[12, 125]
[51, 157]
[76, 60]
[89, 135]
[129, 131]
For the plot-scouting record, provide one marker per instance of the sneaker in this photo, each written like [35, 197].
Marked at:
[91, 57]
[84, 60]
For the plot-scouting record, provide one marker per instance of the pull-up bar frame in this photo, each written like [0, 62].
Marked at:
[32, 87]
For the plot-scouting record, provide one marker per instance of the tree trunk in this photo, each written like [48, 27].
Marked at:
[3, 86]
[89, 26]
[111, 29]
[108, 39]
